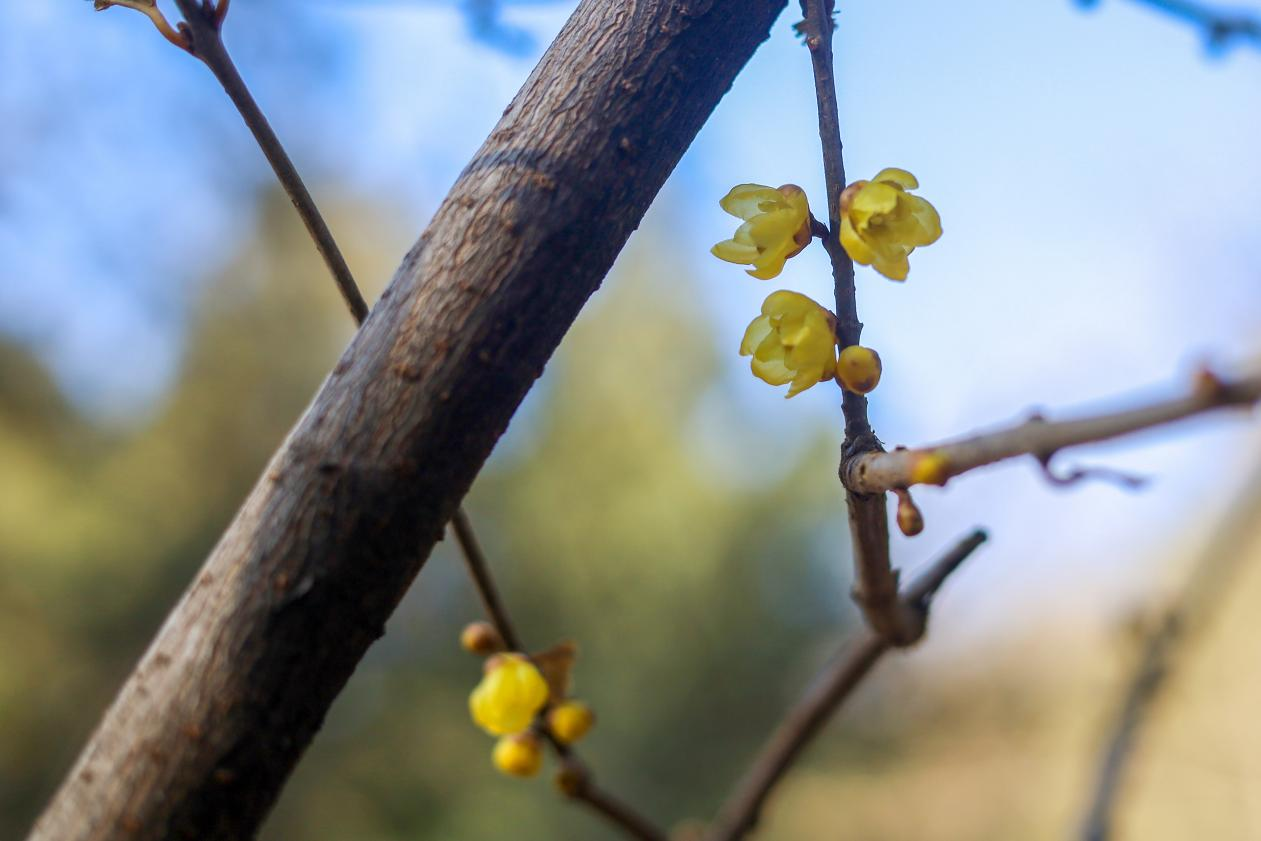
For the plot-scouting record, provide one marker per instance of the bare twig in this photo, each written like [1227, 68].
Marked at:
[202, 25]
[803, 722]
[484, 583]
[1219, 26]
[874, 473]
[1167, 639]
[875, 580]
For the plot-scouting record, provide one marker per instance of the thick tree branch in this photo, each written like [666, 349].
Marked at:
[209, 725]
[201, 30]
[874, 473]
[875, 580]
[1210, 578]
[803, 722]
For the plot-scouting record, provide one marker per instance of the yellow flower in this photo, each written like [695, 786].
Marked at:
[509, 695]
[881, 223]
[793, 340]
[776, 227]
[570, 721]
[519, 755]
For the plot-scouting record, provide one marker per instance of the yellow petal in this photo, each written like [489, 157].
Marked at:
[900, 177]
[757, 330]
[874, 198]
[734, 252]
[853, 244]
[784, 301]
[768, 266]
[894, 266]
[771, 371]
[927, 217]
[744, 200]
[768, 230]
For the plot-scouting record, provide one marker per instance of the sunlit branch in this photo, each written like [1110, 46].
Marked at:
[1164, 647]
[830, 690]
[875, 473]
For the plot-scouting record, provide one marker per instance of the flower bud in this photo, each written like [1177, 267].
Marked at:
[910, 520]
[570, 779]
[569, 721]
[858, 369]
[481, 638]
[518, 755]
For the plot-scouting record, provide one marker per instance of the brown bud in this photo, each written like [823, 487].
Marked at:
[910, 520]
[481, 638]
[570, 779]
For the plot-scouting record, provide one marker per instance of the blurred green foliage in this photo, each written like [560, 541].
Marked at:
[602, 515]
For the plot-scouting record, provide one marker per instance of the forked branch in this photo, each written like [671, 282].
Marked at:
[830, 690]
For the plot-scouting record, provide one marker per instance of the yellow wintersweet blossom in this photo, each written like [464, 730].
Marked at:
[881, 223]
[509, 695]
[793, 340]
[776, 227]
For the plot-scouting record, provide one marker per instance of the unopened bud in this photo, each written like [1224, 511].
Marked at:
[858, 369]
[910, 520]
[570, 721]
[519, 755]
[481, 638]
[570, 779]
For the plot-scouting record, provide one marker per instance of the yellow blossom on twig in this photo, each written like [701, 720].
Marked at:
[881, 223]
[792, 341]
[509, 695]
[776, 227]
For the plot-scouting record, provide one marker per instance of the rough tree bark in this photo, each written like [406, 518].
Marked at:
[207, 728]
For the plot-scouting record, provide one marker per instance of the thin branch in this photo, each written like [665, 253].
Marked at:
[874, 473]
[803, 722]
[875, 580]
[484, 583]
[201, 25]
[1219, 26]
[1209, 579]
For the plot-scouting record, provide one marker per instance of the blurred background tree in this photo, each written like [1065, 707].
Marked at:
[650, 502]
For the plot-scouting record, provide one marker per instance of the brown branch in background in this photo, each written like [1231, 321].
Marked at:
[740, 814]
[1165, 642]
[875, 580]
[874, 473]
[1219, 26]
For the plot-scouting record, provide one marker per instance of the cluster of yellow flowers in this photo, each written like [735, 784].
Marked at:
[794, 340]
[520, 699]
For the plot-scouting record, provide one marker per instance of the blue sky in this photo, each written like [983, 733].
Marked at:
[1096, 173]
